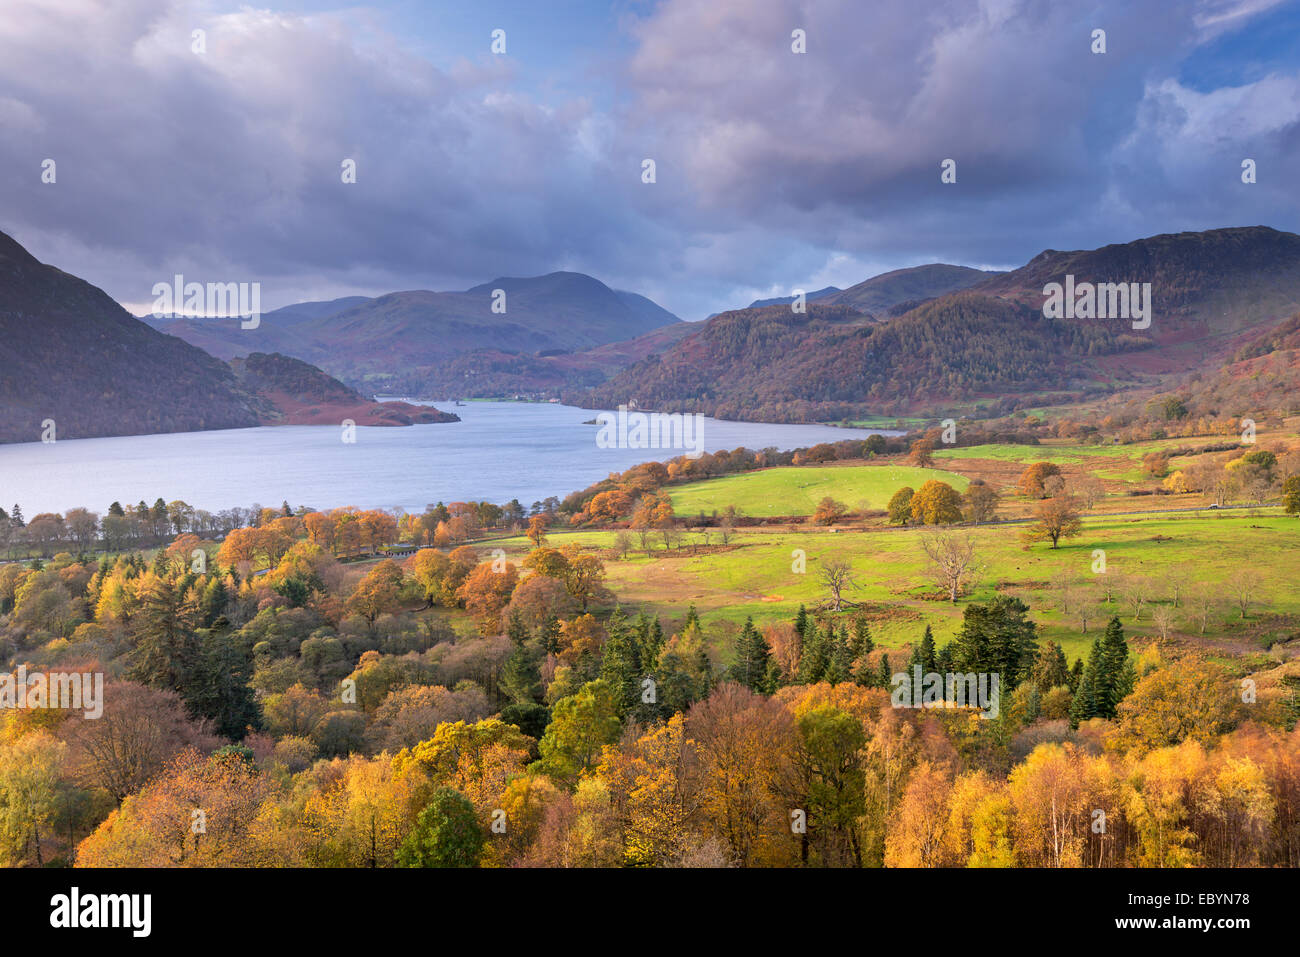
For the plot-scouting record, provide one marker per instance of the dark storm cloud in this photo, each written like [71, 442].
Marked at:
[774, 169]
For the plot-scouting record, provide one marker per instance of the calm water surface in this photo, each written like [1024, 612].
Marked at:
[499, 451]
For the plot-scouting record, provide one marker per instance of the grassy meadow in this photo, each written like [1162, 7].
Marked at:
[796, 490]
[754, 575]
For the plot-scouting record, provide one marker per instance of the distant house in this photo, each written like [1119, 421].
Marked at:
[397, 551]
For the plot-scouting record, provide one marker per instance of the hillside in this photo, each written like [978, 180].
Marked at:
[817, 295]
[72, 354]
[403, 341]
[884, 294]
[832, 362]
[988, 345]
[295, 393]
[489, 373]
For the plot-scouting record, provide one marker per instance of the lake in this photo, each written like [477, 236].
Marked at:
[499, 451]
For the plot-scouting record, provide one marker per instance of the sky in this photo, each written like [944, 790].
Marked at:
[774, 169]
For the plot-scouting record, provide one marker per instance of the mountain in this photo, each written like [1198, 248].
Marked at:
[71, 354]
[402, 341]
[489, 373]
[284, 316]
[890, 293]
[1209, 289]
[882, 295]
[786, 300]
[647, 310]
[988, 345]
[295, 393]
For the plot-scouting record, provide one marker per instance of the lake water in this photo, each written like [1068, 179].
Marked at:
[497, 452]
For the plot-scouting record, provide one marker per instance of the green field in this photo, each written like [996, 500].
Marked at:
[753, 576]
[797, 490]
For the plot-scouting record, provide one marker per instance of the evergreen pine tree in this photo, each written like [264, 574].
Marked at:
[815, 655]
[864, 676]
[1113, 654]
[620, 664]
[165, 644]
[1050, 670]
[839, 666]
[692, 617]
[923, 654]
[1076, 675]
[801, 622]
[218, 688]
[752, 658]
[213, 602]
[862, 643]
[550, 635]
[1089, 696]
[521, 678]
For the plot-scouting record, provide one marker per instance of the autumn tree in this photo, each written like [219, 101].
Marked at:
[829, 511]
[1291, 495]
[832, 784]
[936, 503]
[900, 506]
[1056, 518]
[921, 453]
[1189, 699]
[981, 502]
[1033, 479]
[746, 760]
[30, 775]
[487, 591]
[155, 827]
[378, 592]
[537, 530]
[140, 731]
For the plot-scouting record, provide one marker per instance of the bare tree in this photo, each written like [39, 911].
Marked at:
[1220, 484]
[1176, 582]
[839, 580]
[670, 533]
[952, 558]
[622, 544]
[725, 531]
[1243, 585]
[1109, 583]
[1136, 591]
[1164, 617]
[1087, 611]
[1088, 490]
[643, 533]
[1204, 603]
[1066, 586]
[1257, 487]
